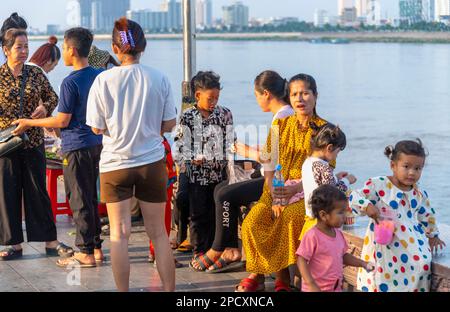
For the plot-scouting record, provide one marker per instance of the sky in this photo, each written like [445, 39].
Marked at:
[42, 12]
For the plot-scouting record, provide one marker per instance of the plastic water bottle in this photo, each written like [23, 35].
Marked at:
[278, 181]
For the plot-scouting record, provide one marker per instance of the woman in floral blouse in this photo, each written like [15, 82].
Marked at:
[23, 172]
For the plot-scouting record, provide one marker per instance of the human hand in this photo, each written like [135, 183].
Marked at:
[351, 178]
[373, 212]
[22, 126]
[277, 210]
[369, 266]
[39, 112]
[286, 192]
[436, 242]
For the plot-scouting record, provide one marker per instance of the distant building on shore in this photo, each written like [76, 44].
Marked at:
[321, 18]
[203, 14]
[415, 11]
[168, 19]
[236, 14]
[442, 11]
[53, 29]
[99, 15]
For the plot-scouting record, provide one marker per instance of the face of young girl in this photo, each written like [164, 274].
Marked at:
[407, 169]
[331, 153]
[207, 99]
[336, 218]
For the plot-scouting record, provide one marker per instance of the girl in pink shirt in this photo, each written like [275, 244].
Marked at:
[323, 250]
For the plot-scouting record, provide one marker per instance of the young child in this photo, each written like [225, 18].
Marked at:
[326, 143]
[405, 263]
[201, 143]
[80, 146]
[323, 250]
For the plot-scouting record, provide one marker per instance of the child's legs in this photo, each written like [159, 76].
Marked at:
[199, 213]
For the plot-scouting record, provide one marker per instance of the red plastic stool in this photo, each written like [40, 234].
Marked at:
[52, 189]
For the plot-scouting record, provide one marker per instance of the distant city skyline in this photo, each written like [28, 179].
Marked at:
[37, 13]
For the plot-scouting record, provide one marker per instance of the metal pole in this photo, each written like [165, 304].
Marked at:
[189, 51]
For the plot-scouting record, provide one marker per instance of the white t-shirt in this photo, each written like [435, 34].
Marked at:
[284, 112]
[130, 103]
[316, 172]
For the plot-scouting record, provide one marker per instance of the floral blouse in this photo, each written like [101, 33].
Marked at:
[209, 138]
[37, 88]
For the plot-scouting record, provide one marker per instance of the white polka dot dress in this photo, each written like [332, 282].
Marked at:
[405, 263]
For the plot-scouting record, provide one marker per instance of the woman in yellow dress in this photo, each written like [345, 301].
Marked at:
[270, 233]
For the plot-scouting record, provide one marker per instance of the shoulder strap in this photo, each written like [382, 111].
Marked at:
[22, 88]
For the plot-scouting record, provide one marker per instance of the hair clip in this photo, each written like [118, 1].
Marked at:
[131, 39]
[123, 37]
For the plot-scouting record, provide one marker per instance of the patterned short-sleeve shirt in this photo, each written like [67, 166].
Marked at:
[37, 88]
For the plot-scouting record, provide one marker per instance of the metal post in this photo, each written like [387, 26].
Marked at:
[189, 51]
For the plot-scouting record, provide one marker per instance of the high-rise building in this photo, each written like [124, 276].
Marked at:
[442, 9]
[168, 18]
[208, 13]
[361, 8]
[236, 15]
[412, 11]
[348, 16]
[85, 13]
[343, 4]
[200, 13]
[99, 15]
[320, 18]
[373, 12]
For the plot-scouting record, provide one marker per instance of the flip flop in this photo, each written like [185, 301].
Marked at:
[62, 250]
[203, 261]
[250, 285]
[73, 262]
[222, 265]
[282, 287]
[11, 254]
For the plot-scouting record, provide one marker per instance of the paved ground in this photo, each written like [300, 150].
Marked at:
[37, 273]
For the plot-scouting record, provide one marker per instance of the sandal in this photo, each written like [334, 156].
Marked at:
[280, 286]
[222, 265]
[61, 250]
[11, 254]
[250, 285]
[74, 263]
[185, 247]
[203, 261]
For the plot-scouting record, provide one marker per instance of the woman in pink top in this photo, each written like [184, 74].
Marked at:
[323, 251]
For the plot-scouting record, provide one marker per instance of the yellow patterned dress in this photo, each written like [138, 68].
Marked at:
[270, 245]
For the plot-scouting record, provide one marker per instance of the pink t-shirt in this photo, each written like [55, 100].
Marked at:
[325, 256]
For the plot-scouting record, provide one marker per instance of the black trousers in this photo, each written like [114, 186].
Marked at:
[23, 172]
[80, 181]
[228, 199]
[202, 215]
[181, 211]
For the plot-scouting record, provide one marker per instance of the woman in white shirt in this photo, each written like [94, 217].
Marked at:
[131, 105]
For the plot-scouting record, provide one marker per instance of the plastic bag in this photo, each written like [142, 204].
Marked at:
[237, 174]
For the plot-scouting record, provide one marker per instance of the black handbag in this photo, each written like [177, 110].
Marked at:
[10, 143]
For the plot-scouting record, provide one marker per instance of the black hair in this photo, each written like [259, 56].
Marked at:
[81, 39]
[205, 80]
[407, 147]
[311, 84]
[129, 37]
[325, 135]
[271, 81]
[10, 36]
[323, 199]
[14, 21]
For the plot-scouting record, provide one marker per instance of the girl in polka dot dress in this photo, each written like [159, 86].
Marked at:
[404, 264]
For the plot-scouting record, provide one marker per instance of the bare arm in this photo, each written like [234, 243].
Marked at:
[303, 266]
[353, 261]
[168, 125]
[61, 120]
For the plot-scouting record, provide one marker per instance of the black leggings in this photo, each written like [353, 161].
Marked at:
[228, 199]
